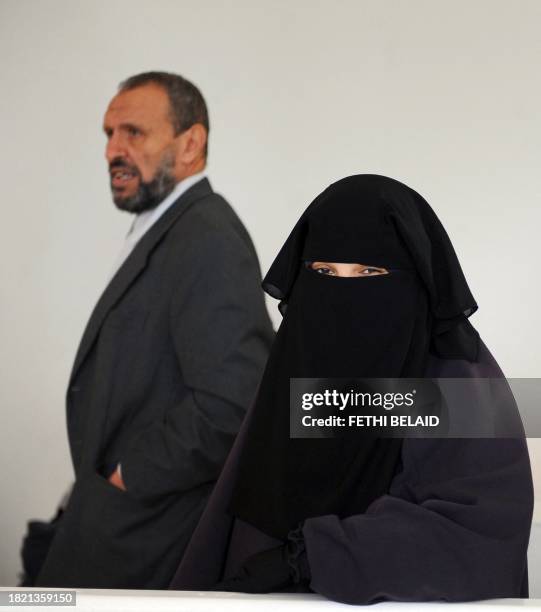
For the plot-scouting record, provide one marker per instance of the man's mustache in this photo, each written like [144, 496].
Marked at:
[122, 164]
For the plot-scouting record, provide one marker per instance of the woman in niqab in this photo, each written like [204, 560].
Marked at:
[361, 520]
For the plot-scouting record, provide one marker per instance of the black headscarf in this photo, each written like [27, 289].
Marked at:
[379, 326]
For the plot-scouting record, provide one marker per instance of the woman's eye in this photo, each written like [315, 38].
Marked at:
[371, 271]
[324, 271]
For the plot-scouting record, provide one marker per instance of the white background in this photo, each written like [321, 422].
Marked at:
[442, 95]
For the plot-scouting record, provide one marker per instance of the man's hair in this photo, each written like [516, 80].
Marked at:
[187, 105]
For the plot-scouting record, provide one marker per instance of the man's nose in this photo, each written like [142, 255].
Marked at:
[115, 147]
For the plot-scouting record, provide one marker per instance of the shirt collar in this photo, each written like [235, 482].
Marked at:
[143, 221]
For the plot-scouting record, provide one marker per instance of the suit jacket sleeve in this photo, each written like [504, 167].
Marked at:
[221, 335]
[454, 526]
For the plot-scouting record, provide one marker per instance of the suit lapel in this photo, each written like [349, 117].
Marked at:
[133, 266]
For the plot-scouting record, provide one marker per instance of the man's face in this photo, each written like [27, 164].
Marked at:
[140, 148]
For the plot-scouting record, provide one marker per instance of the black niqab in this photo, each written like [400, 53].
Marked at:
[379, 326]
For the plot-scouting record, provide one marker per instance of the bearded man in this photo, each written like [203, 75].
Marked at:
[171, 356]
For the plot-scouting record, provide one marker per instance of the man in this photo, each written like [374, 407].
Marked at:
[172, 354]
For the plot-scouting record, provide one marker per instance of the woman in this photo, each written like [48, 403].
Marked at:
[369, 286]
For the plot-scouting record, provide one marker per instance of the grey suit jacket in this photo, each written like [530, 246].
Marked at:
[168, 364]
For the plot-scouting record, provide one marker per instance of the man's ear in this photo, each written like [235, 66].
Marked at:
[191, 143]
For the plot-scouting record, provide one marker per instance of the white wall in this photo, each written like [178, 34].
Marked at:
[444, 96]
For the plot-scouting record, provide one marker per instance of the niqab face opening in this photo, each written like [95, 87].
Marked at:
[381, 326]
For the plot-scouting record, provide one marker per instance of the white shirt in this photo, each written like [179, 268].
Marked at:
[145, 220]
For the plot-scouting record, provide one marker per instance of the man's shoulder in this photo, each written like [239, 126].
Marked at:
[208, 233]
[211, 215]
[212, 208]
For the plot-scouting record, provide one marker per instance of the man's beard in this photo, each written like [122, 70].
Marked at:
[149, 194]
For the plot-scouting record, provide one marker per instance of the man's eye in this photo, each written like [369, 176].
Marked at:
[133, 131]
